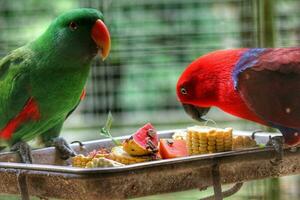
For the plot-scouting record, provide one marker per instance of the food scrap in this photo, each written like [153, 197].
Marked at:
[179, 135]
[241, 142]
[96, 158]
[144, 145]
[169, 148]
[102, 162]
[118, 154]
[203, 140]
[143, 142]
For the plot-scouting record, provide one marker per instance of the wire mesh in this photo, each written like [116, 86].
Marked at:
[152, 42]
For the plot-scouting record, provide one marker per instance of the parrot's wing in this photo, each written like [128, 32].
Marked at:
[16, 102]
[271, 86]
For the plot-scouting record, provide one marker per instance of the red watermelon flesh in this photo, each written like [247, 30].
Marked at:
[146, 137]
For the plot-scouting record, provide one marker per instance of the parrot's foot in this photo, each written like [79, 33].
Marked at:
[63, 148]
[23, 150]
[277, 143]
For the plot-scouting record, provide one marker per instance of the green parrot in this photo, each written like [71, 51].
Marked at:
[42, 82]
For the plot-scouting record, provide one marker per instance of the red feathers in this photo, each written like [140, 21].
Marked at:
[29, 112]
[208, 82]
[83, 94]
[260, 85]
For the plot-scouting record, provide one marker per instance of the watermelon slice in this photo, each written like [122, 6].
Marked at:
[143, 142]
[169, 148]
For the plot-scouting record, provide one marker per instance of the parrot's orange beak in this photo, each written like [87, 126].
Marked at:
[101, 36]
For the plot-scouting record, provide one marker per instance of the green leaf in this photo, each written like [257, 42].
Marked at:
[105, 130]
[109, 121]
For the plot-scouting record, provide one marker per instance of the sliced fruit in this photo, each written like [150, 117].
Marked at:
[169, 148]
[118, 154]
[143, 142]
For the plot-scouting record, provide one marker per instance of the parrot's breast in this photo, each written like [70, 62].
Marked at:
[58, 91]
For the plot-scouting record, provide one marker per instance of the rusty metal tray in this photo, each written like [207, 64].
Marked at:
[52, 177]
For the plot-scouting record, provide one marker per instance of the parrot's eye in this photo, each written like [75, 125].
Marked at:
[73, 26]
[183, 91]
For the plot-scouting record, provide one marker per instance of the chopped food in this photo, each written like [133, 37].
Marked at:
[81, 160]
[144, 146]
[179, 135]
[169, 148]
[102, 152]
[241, 142]
[202, 140]
[102, 162]
[143, 142]
[118, 154]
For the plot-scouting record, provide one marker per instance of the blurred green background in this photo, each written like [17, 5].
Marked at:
[152, 42]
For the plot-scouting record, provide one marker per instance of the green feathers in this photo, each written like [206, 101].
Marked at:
[51, 70]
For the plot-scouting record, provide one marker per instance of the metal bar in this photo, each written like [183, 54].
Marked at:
[22, 184]
[54, 179]
[66, 169]
[231, 191]
[265, 22]
[217, 181]
[234, 189]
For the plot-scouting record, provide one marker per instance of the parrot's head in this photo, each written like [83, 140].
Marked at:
[77, 34]
[196, 88]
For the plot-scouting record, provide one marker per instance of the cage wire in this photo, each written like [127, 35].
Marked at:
[152, 42]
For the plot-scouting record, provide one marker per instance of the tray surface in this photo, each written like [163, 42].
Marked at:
[46, 159]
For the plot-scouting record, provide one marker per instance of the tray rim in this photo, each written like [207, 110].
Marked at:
[137, 166]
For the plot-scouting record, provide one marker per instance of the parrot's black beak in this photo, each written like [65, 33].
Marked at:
[196, 112]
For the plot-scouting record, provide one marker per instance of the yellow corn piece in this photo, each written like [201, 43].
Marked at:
[80, 160]
[119, 155]
[208, 140]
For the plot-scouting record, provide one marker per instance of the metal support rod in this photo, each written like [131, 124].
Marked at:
[265, 22]
[218, 193]
[227, 193]
[22, 184]
[234, 189]
[217, 181]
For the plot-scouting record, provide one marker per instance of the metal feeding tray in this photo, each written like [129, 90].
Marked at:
[51, 177]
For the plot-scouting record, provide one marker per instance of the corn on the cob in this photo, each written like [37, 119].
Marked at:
[102, 162]
[202, 140]
[240, 142]
[118, 154]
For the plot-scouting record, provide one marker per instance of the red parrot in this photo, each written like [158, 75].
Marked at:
[260, 84]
